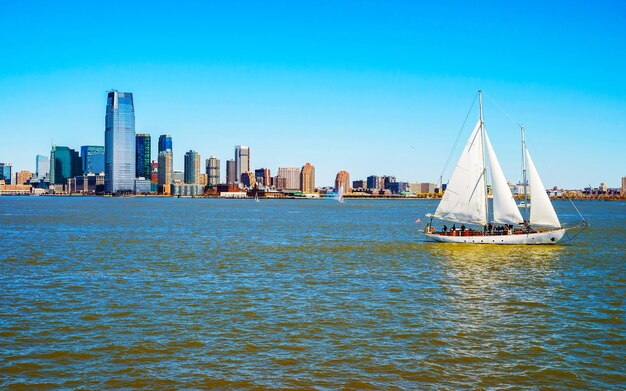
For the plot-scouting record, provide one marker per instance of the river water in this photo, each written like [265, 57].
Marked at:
[205, 293]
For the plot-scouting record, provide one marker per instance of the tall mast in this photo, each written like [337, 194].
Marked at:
[524, 173]
[482, 135]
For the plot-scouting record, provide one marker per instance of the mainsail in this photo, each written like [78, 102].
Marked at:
[541, 211]
[505, 211]
[464, 198]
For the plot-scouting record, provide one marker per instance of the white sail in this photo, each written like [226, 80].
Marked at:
[464, 198]
[505, 211]
[541, 211]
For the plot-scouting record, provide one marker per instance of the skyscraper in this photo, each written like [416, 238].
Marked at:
[342, 180]
[623, 189]
[292, 177]
[42, 166]
[230, 171]
[92, 157]
[307, 179]
[213, 170]
[192, 167]
[375, 182]
[65, 163]
[5, 172]
[142, 155]
[242, 161]
[119, 143]
[166, 168]
[165, 143]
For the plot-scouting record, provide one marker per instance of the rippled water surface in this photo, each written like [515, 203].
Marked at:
[198, 293]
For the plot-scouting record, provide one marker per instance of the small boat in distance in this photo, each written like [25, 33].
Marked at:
[466, 200]
[340, 194]
[523, 204]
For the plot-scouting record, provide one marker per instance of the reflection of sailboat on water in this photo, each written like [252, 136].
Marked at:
[465, 200]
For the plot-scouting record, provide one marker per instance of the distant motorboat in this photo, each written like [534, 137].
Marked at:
[523, 204]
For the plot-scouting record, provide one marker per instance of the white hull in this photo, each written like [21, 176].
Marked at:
[547, 237]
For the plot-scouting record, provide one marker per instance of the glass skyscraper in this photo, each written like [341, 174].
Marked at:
[192, 167]
[143, 168]
[64, 164]
[119, 143]
[165, 143]
[5, 173]
[242, 161]
[42, 166]
[92, 157]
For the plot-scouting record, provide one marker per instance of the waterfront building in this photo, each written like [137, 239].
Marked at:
[360, 184]
[292, 177]
[231, 171]
[42, 166]
[192, 167]
[89, 184]
[165, 143]
[602, 188]
[263, 176]
[178, 177]
[279, 182]
[623, 189]
[92, 158]
[23, 176]
[119, 143]
[213, 171]
[187, 190]
[248, 179]
[165, 168]
[143, 169]
[307, 179]
[65, 163]
[375, 182]
[387, 180]
[6, 172]
[242, 161]
[342, 180]
[142, 186]
[426, 187]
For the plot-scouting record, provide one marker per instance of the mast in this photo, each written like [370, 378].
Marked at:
[482, 135]
[525, 181]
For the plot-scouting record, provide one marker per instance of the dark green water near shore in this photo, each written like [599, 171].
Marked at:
[199, 293]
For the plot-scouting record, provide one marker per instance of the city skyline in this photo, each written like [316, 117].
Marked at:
[388, 100]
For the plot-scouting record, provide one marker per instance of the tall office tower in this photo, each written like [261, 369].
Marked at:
[213, 171]
[242, 161]
[142, 155]
[307, 179]
[623, 189]
[375, 182]
[165, 143]
[42, 166]
[263, 176]
[342, 180]
[65, 163]
[166, 168]
[5, 172]
[192, 167]
[119, 143]
[92, 157]
[292, 177]
[230, 171]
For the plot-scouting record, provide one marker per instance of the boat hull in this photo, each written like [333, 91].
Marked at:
[546, 237]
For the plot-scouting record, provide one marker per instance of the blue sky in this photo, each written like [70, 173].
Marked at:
[369, 87]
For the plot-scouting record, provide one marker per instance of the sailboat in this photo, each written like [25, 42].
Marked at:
[340, 193]
[466, 201]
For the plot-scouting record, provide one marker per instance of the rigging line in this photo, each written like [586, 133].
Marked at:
[502, 110]
[458, 137]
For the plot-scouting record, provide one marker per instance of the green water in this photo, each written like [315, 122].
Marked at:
[200, 294]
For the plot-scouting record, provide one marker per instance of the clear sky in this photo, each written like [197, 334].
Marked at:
[372, 87]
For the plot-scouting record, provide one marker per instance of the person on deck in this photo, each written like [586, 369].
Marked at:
[444, 229]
